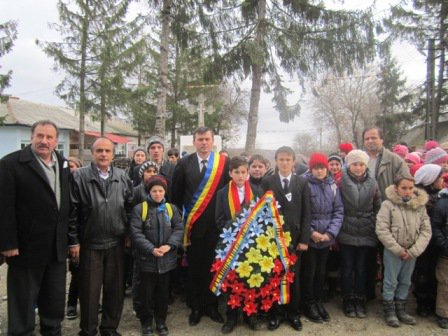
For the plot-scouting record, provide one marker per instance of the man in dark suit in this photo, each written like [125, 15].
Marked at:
[34, 206]
[189, 192]
[293, 194]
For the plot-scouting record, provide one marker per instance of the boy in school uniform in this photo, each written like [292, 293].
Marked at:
[231, 200]
[293, 195]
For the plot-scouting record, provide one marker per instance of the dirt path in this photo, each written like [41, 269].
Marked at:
[178, 322]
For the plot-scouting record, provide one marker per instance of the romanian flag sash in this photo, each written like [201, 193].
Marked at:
[254, 267]
[203, 194]
[234, 199]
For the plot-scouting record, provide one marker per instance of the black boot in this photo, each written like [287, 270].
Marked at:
[360, 307]
[390, 315]
[322, 311]
[400, 307]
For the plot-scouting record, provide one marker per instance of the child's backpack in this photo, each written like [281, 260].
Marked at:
[144, 214]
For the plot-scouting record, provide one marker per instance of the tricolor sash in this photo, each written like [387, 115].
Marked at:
[203, 194]
[234, 199]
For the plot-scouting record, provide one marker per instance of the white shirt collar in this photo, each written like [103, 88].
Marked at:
[200, 160]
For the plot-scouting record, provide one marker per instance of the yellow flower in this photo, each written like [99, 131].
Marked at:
[244, 269]
[253, 256]
[273, 250]
[263, 242]
[255, 280]
[266, 264]
[270, 232]
[287, 237]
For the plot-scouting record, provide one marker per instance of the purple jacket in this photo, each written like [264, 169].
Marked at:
[327, 209]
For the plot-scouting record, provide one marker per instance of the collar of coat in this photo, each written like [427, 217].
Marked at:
[418, 200]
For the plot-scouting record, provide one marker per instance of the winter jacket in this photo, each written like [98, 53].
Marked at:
[439, 223]
[362, 200]
[327, 210]
[389, 166]
[404, 225]
[140, 193]
[157, 230]
[99, 215]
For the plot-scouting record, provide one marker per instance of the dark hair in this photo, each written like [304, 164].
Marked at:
[258, 157]
[236, 162]
[285, 149]
[173, 151]
[380, 132]
[102, 138]
[202, 130]
[400, 178]
[44, 123]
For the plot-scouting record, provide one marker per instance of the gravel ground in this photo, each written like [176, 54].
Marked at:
[178, 322]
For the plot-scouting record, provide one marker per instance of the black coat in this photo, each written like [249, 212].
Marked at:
[186, 179]
[29, 216]
[297, 213]
[223, 215]
[439, 224]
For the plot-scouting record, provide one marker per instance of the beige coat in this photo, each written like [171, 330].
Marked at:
[401, 225]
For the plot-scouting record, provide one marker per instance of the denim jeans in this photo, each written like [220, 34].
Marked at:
[397, 276]
[354, 259]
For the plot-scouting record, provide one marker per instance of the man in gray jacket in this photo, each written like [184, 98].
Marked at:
[101, 197]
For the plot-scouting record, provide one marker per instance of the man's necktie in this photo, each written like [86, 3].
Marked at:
[204, 166]
[285, 185]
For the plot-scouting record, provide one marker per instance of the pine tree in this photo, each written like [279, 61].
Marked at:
[8, 34]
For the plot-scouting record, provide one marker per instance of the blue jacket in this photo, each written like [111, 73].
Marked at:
[327, 210]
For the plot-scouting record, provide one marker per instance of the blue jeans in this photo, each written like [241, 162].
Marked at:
[397, 276]
[354, 259]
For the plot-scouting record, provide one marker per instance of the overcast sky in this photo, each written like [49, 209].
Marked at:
[33, 78]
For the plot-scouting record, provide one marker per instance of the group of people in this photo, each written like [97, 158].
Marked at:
[355, 205]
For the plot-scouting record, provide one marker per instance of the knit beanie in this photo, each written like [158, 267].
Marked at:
[430, 144]
[414, 169]
[436, 155]
[346, 147]
[157, 180]
[145, 165]
[401, 150]
[155, 139]
[427, 174]
[334, 156]
[318, 159]
[414, 157]
[357, 155]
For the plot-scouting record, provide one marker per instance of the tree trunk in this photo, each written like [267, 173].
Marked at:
[82, 79]
[257, 69]
[163, 69]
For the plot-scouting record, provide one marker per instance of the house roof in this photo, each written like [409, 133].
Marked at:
[23, 112]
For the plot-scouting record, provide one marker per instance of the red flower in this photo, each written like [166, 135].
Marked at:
[216, 266]
[265, 291]
[266, 304]
[238, 288]
[292, 259]
[275, 282]
[250, 308]
[225, 286]
[276, 295]
[290, 277]
[250, 295]
[278, 266]
[234, 301]
[231, 276]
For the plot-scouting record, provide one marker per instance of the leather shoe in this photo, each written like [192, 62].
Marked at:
[295, 323]
[323, 312]
[227, 327]
[273, 323]
[215, 315]
[195, 317]
[312, 313]
[147, 330]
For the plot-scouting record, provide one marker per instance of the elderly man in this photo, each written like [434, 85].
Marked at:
[34, 206]
[101, 198]
[196, 181]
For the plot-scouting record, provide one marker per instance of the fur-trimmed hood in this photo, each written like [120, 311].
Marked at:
[419, 199]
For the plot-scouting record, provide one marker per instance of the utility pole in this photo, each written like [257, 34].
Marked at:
[430, 129]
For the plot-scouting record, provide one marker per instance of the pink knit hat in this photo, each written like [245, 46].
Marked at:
[401, 150]
[436, 155]
[414, 157]
[430, 144]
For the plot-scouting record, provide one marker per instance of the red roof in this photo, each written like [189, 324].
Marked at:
[118, 139]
